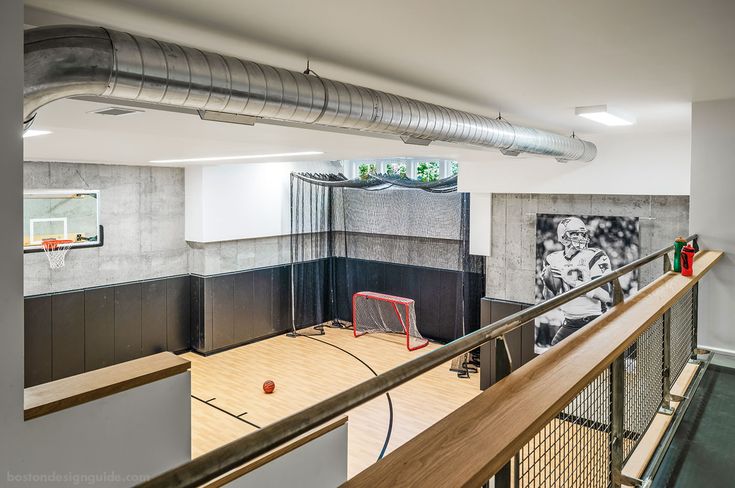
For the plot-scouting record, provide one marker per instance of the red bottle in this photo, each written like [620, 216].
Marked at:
[687, 260]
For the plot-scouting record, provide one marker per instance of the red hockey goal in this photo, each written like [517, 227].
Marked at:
[378, 312]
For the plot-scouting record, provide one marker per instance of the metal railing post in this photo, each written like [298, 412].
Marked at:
[695, 320]
[617, 410]
[665, 407]
[503, 367]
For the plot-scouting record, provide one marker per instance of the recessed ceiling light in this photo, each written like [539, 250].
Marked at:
[235, 158]
[604, 114]
[34, 133]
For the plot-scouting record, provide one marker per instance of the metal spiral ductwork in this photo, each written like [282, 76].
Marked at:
[68, 61]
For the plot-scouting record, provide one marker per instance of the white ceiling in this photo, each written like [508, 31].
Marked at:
[534, 60]
[81, 136]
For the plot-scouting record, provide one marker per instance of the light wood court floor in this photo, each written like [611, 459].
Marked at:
[306, 371]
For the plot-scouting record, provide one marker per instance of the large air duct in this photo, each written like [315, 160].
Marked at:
[67, 61]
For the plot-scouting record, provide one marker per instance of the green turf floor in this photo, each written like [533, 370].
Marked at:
[702, 453]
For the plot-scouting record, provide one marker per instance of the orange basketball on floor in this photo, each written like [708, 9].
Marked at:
[269, 386]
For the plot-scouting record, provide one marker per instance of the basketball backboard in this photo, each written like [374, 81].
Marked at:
[61, 214]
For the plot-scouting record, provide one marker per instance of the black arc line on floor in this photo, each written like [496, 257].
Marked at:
[387, 395]
[238, 417]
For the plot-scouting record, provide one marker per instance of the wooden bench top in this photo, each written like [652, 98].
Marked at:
[470, 445]
[75, 390]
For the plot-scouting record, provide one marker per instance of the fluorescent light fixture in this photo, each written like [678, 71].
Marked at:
[35, 132]
[234, 158]
[604, 114]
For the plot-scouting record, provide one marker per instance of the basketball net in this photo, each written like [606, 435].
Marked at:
[56, 250]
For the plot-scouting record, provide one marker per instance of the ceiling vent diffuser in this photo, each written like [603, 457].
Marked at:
[115, 111]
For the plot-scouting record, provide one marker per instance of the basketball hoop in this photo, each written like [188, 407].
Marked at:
[56, 250]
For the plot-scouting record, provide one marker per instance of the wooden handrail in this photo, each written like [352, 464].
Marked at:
[470, 445]
[249, 447]
[75, 390]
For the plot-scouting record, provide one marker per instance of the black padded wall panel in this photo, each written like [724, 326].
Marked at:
[281, 311]
[99, 328]
[428, 305]
[128, 332]
[178, 324]
[67, 315]
[223, 323]
[153, 317]
[197, 313]
[262, 292]
[69, 333]
[243, 307]
[38, 341]
[437, 292]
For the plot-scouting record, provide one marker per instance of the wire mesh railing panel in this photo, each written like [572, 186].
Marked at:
[643, 380]
[574, 448]
[682, 330]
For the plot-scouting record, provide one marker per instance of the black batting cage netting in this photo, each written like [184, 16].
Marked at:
[385, 235]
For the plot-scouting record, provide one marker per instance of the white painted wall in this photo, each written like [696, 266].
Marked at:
[626, 164]
[321, 463]
[711, 216]
[141, 431]
[481, 217]
[242, 201]
[121, 439]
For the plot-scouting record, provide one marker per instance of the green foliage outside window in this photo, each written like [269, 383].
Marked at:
[427, 171]
[366, 169]
[453, 168]
[396, 169]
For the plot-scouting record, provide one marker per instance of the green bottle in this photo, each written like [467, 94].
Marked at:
[679, 243]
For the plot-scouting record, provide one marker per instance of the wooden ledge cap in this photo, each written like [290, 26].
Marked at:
[75, 390]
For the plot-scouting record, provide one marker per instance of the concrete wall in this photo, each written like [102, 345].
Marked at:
[142, 211]
[225, 257]
[398, 226]
[713, 200]
[512, 264]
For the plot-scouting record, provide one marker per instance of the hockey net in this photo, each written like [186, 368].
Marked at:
[377, 312]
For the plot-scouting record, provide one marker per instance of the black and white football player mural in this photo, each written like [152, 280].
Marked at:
[572, 250]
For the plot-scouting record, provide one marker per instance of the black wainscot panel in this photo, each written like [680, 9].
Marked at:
[68, 334]
[99, 328]
[153, 317]
[128, 322]
[178, 324]
[38, 341]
